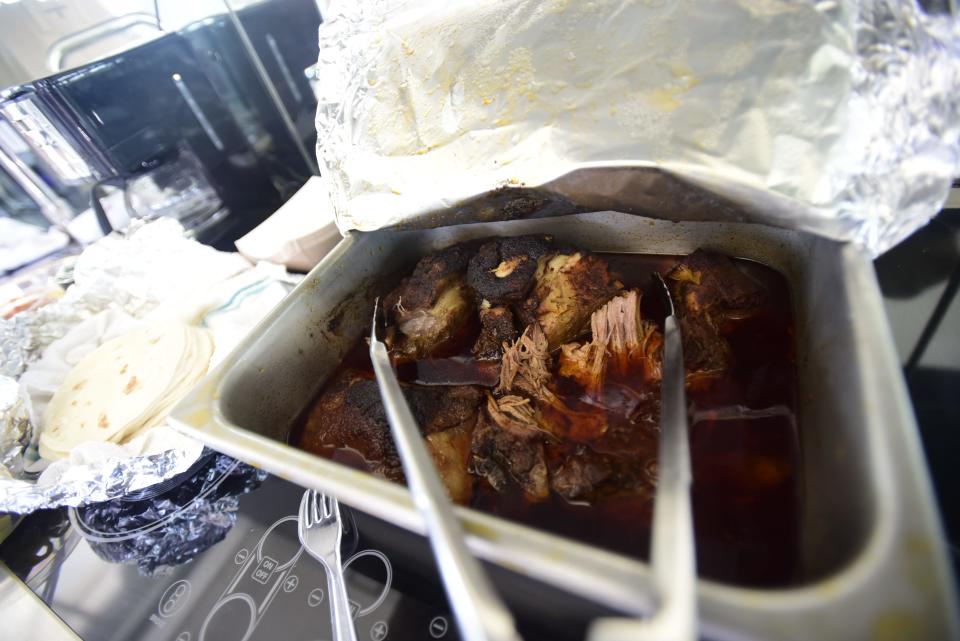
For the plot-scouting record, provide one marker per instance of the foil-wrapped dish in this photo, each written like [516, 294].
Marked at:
[533, 369]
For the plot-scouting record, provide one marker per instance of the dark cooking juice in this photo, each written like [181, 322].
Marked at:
[744, 443]
[744, 439]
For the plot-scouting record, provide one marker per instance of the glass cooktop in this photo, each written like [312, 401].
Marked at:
[214, 557]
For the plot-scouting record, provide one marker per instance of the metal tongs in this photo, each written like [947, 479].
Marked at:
[481, 615]
[672, 551]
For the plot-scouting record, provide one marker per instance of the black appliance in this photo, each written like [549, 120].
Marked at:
[284, 35]
[222, 56]
[222, 94]
[135, 110]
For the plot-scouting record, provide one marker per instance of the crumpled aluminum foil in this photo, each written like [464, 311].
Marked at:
[93, 482]
[157, 533]
[15, 428]
[24, 337]
[838, 117]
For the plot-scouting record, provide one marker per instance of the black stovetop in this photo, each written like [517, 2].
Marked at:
[215, 558]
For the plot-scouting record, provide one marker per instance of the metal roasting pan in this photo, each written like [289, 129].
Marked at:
[874, 564]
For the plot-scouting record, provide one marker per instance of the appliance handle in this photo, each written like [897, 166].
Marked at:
[67, 44]
[95, 204]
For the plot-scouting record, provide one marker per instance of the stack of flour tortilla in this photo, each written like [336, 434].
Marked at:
[126, 385]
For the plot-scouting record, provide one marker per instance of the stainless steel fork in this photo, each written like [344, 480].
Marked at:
[320, 530]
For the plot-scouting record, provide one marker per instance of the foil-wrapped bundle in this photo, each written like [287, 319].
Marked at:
[24, 337]
[15, 429]
[159, 530]
[100, 474]
[838, 118]
[136, 273]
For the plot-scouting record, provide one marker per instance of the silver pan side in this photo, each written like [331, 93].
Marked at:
[873, 554]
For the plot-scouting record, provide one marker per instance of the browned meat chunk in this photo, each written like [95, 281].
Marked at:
[450, 450]
[709, 283]
[349, 416]
[705, 351]
[503, 271]
[709, 290]
[496, 328]
[430, 277]
[431, 306]
[568, 289]
[439, 408]
[504, 459]
[578, 475]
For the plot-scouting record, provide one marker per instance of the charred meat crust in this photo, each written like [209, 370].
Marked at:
[504, 459]
[350, 414]
[503, 271]
[496, 328]
[431, 306]
[709, 283]
[431, 275]
[424, 330]
[439, 408]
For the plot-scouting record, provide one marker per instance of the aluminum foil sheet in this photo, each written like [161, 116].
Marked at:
[835, 117]
[24, 337]
[78, 484]
[15, 429]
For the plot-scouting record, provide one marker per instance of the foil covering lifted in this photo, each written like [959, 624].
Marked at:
[836, 117]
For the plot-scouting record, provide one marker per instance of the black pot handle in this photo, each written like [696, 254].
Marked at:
[101, 214]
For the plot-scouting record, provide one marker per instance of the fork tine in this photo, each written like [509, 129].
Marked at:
[373, 330]
[315, 507]
[304, 521]
[327, 507]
